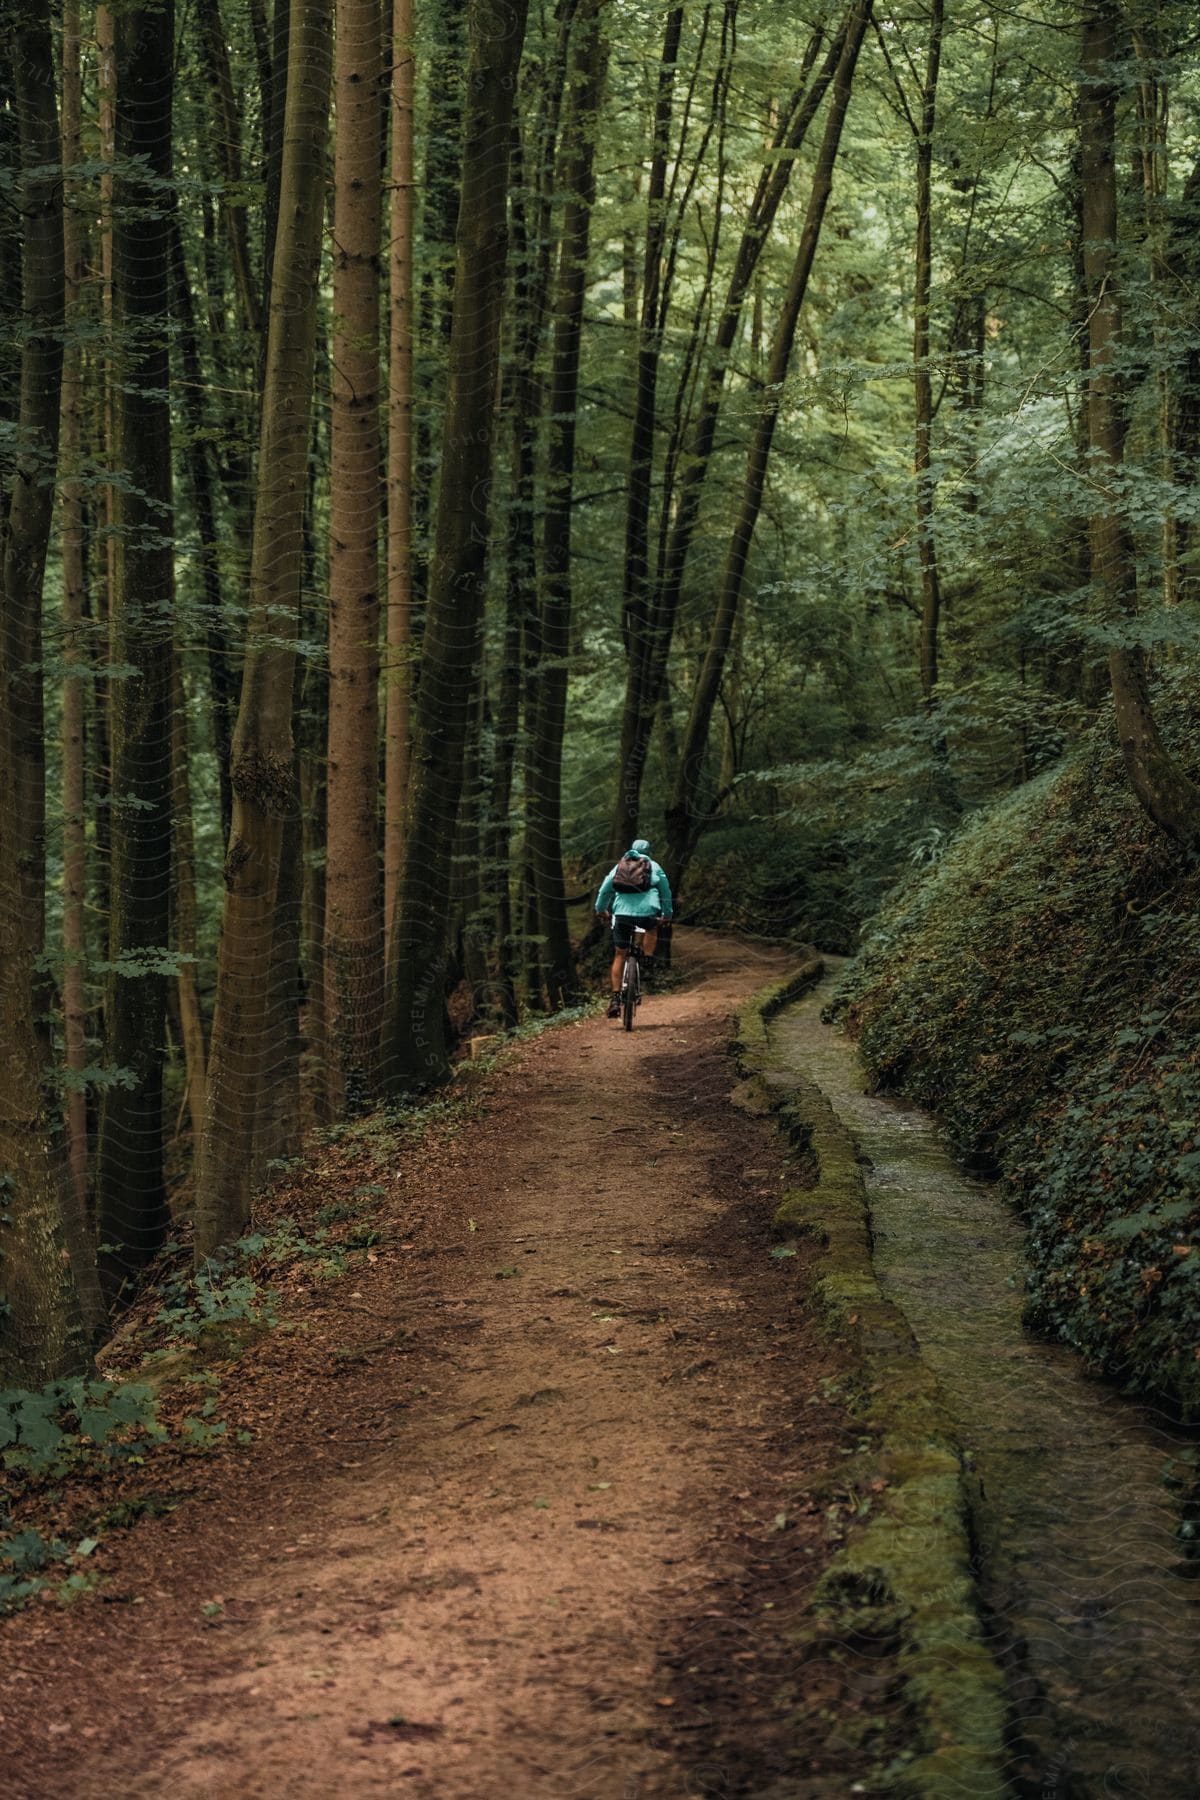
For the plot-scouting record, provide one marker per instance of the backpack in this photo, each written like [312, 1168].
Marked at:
[632, 875]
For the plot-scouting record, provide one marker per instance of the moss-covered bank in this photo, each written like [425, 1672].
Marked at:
[904, 1583]
[1040, 990]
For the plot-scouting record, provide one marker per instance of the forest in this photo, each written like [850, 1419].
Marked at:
[443, 442]
[440, 441]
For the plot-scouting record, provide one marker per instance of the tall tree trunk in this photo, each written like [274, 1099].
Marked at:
[1153, 104]
[263, 761]
[651, 649]
[532, 191]
[693, 348]
[415, 1039]
[74, 585]
[1184, 265]
[474, 920]
[635, 606]
[314, 735]
[683, 813]
[505, 726]
[353, 900]
[544, 800]
[277, 1116]
[25, 523]
[41, 1334]
[219, 658]
[926, 483]
[217, 73]
[274, 117]
[131, 1198]
[1165, 792]
[398, 674]
[184, 936]
[440, 185]
[106, 120]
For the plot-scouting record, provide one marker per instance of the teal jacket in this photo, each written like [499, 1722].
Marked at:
[655, 900]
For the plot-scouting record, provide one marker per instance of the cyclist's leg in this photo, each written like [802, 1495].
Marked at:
[630, 989]
[622, 936]
[648, 944]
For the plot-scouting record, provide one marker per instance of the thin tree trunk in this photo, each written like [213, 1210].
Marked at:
[1086, 673]
[260, 33]
[683, 813]
[277, 1116]
[1184, 265]
[1153, 114]
[217, 73]
[532, 191]
[544, 800]
[314, 733]
[468, 875]
[41, 1335]
[25, 526]
[531, 958]
[274, 116]
[353, 900]
[415, 1037]
[131, 1199]
[635, 602]
[219, 651]
[398, 673]
[106, 105]
[692, 354]
[185, 937]
[74, 585]
[926, 484]
[1164, 791]
[505, 727]
[263, 760]
[440, 185]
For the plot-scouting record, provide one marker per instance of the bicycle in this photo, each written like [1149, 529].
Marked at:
[631, 978]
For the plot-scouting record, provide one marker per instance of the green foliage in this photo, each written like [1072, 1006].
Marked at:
[24, 1559]
[1039, 988]
[537, 1023]
[50, 1431]
[206, 1299]
[47, 1435]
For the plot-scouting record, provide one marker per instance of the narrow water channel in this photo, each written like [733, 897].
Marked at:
[1079, 1561]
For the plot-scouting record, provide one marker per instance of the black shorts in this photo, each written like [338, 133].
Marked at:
[623, 926]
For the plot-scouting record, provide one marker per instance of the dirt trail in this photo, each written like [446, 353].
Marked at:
[537, 1545]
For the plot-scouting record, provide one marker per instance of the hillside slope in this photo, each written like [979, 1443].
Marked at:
[1040, 990]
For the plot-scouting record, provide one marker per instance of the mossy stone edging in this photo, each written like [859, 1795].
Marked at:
[907, 1571]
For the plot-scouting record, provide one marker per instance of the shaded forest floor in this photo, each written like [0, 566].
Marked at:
[538, 1490]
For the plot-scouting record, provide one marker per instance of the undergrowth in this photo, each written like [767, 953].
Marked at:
[1039, 988]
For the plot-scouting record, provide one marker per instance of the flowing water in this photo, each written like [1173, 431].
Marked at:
[1079, 1563]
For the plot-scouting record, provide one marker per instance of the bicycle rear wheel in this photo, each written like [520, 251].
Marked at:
[629, 992]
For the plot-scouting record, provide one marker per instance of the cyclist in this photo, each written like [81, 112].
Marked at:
[635, 889]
